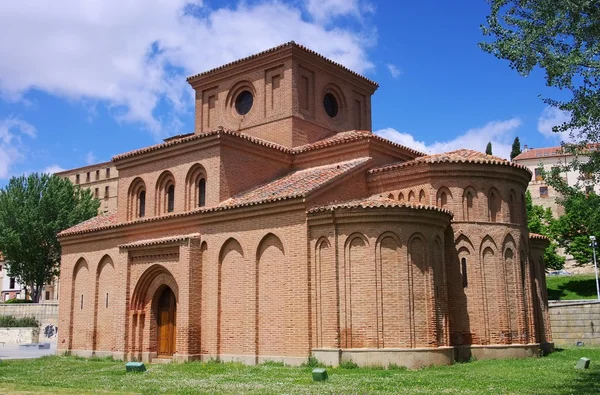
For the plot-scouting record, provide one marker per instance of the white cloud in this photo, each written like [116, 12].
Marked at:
[12, 130]
[550, 117]
[500, 133]
[53, 169]
[90, 158]
[324, 11]
[394, 70]
[132, 55]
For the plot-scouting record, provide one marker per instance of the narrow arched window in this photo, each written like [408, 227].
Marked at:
[443, 200]
[493, 206]
[463, 269]
[142, 204]
[171, 198]
[202, 193]
[469, 208]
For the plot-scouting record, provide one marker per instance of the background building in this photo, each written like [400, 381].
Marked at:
[547, 158]
[101, 179]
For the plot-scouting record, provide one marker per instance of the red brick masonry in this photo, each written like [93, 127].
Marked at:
[313, 236]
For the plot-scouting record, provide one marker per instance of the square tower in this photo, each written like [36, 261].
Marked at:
[288, 95]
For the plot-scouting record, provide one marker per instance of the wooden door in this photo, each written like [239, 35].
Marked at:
[167, 309]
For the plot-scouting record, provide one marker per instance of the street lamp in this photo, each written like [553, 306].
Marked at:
[594, 245]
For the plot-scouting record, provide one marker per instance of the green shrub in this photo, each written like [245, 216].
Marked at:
[312, 363]
[348, 365]
[15, 300]
[8, 321]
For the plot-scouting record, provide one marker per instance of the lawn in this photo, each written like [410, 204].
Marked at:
[553, 374]
[571, 287]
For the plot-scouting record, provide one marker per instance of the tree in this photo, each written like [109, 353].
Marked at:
[33, 210]
[488, 148]
[516, 148]
[540, 221]
[563, 39]
[580, 221]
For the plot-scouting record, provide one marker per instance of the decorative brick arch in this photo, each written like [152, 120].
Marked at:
[103, 315]
[79, 280]
[165, 186]
[195, 187]
[469, 204]
[443, 197]
[494, 208]
[150, 281]
[136, 199]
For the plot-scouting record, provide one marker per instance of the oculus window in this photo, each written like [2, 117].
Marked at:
[330, 105]
[243, 102]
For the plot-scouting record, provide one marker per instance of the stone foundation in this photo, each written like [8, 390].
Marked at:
[416, 358]
[479, 352]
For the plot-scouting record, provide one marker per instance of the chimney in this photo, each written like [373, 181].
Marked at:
[525, 148]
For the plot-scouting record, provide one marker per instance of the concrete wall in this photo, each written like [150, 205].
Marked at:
[46, 314]
[575, 321]
[19, 335]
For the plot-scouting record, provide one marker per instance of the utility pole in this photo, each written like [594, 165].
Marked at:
[594, 245]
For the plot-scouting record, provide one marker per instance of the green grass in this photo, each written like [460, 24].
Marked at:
[553, 374]
[571, 287]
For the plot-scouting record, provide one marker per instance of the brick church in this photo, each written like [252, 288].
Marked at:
[284, 228]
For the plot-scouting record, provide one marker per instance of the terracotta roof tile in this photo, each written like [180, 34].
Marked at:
[458, 156]
[160, 240]
[346, 137]
[376, 202]
[550, 152]
[290, 44]
[99, 221]
[295, 184]
[199, 136]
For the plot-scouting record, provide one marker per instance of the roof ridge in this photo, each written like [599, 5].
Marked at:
[451, 157]
[289, 44]
[376, 202]
[199, 136]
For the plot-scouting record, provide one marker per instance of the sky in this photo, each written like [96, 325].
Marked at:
[84, 80]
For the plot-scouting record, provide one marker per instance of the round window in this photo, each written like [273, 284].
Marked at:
[330, 104]
[243, 103]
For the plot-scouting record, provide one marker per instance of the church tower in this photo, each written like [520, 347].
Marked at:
[288, 95]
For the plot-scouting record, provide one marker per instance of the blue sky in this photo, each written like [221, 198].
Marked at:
[83, 80]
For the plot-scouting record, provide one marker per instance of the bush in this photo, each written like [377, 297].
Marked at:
[312, 362]
[348, 365]
[8, 321]
[15, 300]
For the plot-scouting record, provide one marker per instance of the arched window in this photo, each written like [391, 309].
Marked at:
[136, 200]
[468, 198]
[422, 196]
[202, 192]
[141, 204]
[493, 205]
[411, 196]
[513, 207]
[401, 197]
[171, 198]
[463, 270]
[391, 196]
[443, 200]
[195, 188]
[165, 194]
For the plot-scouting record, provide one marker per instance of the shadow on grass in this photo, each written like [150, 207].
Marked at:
[585, 288]
[586, 382]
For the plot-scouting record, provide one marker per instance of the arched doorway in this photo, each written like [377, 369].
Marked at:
[166, 315]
